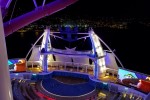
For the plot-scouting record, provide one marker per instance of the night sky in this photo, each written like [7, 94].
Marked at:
[111, 8]
[132, 46]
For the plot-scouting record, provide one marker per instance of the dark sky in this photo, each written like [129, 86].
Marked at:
[116, 8]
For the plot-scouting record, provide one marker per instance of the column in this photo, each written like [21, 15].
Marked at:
[96, 69]
[44, 63]
[5, 84]
[86, 69]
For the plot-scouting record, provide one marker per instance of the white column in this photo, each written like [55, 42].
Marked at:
[5, 84]
[96, 69]
[45, 47]
[86, 69]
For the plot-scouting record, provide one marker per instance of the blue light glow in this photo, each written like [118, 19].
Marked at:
[17, 74]
[126, 74]
[126, 88]
[9, 62]
[105, 83]
[34, 74]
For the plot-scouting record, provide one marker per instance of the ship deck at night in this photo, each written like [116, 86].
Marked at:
[51, 70]
[65, 64]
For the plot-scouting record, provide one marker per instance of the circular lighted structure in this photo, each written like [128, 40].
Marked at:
[62, 85]
[60, 88]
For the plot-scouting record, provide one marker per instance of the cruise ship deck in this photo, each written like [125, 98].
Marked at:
[68, 71]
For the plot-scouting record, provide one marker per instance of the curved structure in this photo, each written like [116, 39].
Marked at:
[55, 87]
[75, 58]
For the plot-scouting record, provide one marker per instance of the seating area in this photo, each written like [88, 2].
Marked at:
[25, 90]
[46, 87]
[17, 95]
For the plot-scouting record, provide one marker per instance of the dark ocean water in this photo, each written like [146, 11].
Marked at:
[131, 45]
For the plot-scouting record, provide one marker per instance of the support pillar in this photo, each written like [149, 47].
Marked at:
[98, 53]
[86, 69]
[96, 69]
[5, 84]
[44, 62]
[44, 47]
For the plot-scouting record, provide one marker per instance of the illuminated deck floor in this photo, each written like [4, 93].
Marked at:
[108, 78]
